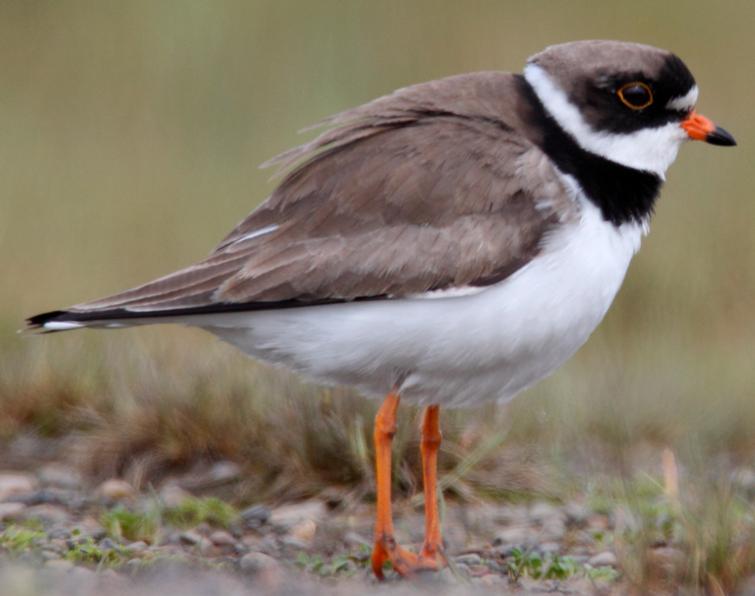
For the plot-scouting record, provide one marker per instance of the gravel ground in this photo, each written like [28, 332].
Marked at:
[59, 535]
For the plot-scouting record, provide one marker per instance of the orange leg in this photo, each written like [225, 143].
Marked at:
[386, 548]
[432, 548]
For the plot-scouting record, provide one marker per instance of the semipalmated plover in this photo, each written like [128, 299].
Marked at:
[450, 243]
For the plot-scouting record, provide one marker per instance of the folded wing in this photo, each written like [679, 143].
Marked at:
[430, 188]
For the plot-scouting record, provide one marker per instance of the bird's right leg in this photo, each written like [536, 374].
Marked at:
[386, 548]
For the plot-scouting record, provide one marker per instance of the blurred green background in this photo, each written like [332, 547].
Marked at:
[130, 134]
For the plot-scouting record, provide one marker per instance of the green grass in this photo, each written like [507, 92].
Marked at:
[86, 550]
[192, 512]
[16, 539]
[121, 523]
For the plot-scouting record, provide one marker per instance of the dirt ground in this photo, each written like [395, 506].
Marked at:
[60, 534]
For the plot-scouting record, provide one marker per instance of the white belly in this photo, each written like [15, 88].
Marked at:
[455, 350]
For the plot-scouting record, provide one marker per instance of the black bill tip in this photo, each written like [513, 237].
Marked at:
[720, 137]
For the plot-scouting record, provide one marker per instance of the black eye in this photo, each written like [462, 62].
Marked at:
[635, 95]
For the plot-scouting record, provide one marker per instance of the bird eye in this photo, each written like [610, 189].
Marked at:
[635, 95]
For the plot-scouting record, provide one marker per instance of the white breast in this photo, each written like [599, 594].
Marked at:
[460, 349]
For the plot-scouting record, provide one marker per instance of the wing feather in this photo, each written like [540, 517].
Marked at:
[429, 188]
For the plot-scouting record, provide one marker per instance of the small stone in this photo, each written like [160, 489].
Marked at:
[108, 544]
[116, 489]
[294, 543]
[290, 515]
[137, 547]
[255, 516]
[15, 483]
[604, 559]
[222, 538]
[9, 511]
[256, 562]
[59, 475]
[173, 495]
[469, 559]
[224, 471]
[190, 537]
[59, 564]
[305, 531]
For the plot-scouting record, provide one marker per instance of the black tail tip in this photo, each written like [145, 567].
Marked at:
[39, 321]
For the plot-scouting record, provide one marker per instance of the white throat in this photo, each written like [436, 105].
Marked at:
[650, 149]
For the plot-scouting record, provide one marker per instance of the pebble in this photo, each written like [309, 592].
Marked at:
[10, 511]
[224, 471]
[604, 559]
[116, 489]
[60, 475]
[190, 537]
[173, 495]
[222, 538]
[255, 516]
[15, 483]
[108, 544]
[137, 547]
[256, 562]
[469, 559]
[304, 531]
[290, 515]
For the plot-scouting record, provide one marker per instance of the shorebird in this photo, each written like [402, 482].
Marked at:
[450, 243]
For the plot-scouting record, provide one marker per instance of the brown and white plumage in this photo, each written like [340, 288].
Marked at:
[489, 215]
[430, 188]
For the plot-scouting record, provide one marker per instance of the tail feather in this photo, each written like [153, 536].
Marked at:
[64, 320]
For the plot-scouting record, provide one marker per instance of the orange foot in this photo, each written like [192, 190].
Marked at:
[386, 548]
[403, 561]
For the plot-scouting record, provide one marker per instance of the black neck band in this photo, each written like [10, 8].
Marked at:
[621, 193]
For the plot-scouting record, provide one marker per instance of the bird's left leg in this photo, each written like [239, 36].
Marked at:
[431, 556]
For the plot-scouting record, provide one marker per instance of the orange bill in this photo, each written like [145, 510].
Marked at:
[700, 128]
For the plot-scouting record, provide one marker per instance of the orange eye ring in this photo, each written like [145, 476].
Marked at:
[635, 106]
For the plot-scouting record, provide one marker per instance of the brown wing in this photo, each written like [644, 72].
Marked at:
[426, 189]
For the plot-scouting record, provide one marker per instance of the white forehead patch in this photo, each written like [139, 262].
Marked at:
[685, 102]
